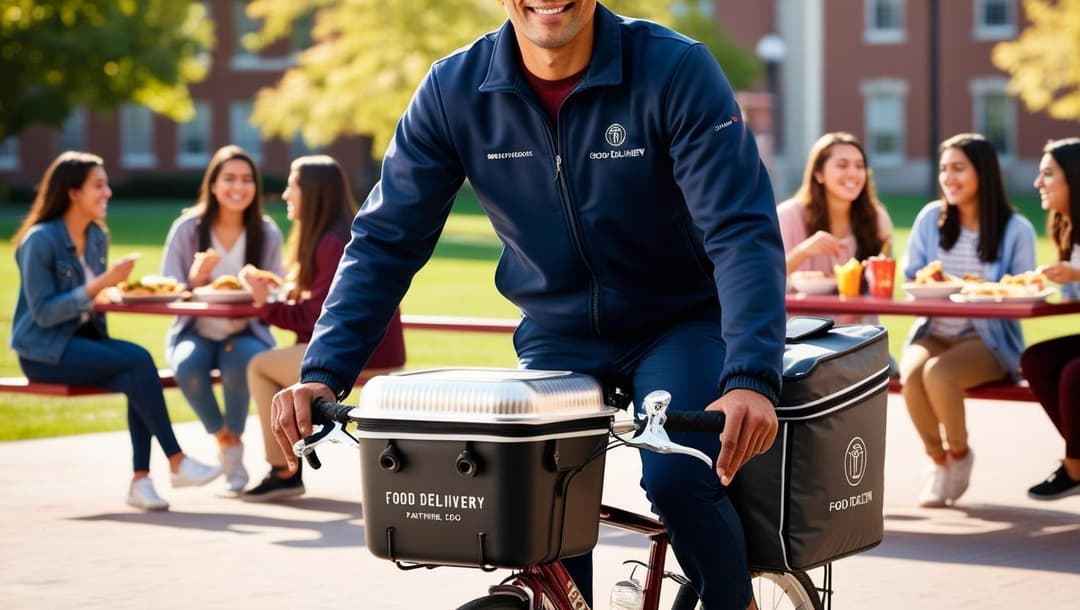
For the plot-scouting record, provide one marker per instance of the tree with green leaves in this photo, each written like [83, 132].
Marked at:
[368, 56]
[56, 55]
[1044, 62]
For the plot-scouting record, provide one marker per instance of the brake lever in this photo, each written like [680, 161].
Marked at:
[333, 432]
[654, 437]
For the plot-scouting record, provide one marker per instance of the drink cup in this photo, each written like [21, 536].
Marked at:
[880, 274]
[849, 278]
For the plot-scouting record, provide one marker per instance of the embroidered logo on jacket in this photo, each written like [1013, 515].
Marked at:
[615, 135]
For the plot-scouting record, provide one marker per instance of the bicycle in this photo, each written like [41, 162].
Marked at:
[547, 585]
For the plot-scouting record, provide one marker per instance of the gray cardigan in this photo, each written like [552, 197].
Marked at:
[180, 248]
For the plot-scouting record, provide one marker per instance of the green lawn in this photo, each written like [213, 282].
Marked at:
[458, 281]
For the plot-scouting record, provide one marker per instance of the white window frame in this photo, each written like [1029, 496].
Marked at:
[242, 132]
[985, 31]
[885, 88]
[994, 85]
[9, 153]
[245, 60]
[872, 34]
[74, 128]
[190, 160]
[128, 114]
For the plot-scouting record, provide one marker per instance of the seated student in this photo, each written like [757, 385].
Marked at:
[972, 229]
[321, 207]
[835, 215]
[61, 250]
[207, 246]
[1052, 367]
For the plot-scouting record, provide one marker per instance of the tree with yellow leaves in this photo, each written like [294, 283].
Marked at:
[1044, 62]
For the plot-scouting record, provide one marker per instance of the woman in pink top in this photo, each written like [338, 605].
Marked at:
[835, 215]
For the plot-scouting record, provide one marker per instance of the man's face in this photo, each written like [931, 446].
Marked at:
[549, 24]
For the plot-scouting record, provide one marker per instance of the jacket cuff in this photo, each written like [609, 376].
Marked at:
[327, 378]
[755, 384]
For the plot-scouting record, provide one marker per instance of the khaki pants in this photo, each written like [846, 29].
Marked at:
[935, 372]
[268, 373]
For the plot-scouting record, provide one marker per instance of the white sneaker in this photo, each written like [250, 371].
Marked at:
[232, 463]
[959, 475]
[933, 494]
[143, 495]
[193, 472]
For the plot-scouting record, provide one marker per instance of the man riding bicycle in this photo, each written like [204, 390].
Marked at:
[640, 239]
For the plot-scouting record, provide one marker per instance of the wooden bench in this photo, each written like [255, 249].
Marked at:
[21, 385]
[995, 390]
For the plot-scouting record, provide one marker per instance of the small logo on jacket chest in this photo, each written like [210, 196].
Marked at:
[615, 136]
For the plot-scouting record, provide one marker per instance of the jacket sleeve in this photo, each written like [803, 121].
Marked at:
[38, 266]
[300, 316]
[725, 185]
[179, 250]
[272, 258]
[393, 235]
[1021, 258]
[918, 253]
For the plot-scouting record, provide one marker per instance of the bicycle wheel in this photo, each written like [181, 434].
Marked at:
[772, 591]
[496, 601]
[785, 590]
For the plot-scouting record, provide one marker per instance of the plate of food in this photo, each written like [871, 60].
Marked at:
[1005, 291]
[813, 282]
[225, 289]
[931, 282]
[148, 289]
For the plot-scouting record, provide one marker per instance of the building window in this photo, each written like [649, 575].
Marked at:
[193, 138]
[244, 27]
[995, 114]
[884, 103]
[884, 22]
[73, 131]
[137, 137]
[995, 19]
[242, 132]
[9, 153]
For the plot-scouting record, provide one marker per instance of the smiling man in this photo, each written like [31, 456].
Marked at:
[640, 242]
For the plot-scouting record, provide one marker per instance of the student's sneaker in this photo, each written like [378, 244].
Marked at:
[275, 488]
[959, 475]
[143, 495]
[933, 494]
[193, 472]
[232, 464]
[1058, 485]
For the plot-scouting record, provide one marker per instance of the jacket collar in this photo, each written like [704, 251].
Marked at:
[605, 65]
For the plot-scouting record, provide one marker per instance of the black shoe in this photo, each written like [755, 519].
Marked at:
[274, 487]
[1058, 485]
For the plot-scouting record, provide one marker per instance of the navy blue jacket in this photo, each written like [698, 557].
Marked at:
[646, 199]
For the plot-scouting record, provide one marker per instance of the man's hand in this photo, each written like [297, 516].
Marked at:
[290, 415]
[749, 430]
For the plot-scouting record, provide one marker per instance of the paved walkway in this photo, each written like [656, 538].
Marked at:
[68, 540]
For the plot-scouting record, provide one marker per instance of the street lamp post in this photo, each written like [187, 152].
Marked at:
[771, 50]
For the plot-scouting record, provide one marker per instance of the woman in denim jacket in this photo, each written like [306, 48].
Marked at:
[61, 250]
[971, 230]
[224, 231]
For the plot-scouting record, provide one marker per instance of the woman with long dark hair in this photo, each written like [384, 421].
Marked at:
[62, 250]
[1052, 367]
[321, 208]
[224, 231]
[971, 230]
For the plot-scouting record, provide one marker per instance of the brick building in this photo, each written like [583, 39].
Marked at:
[135, 142]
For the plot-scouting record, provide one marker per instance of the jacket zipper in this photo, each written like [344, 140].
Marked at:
[575, 225]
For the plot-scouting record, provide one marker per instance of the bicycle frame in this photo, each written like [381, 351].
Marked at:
[553, 582]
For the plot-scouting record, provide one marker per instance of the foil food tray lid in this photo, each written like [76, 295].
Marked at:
[483, 395]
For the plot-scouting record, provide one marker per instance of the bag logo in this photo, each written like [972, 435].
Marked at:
[855, 461]
[615, 135]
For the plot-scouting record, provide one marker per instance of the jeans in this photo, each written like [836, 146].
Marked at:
[685, 359]
[192, 359]
[119, 366]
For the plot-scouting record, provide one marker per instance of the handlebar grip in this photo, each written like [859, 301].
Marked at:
[324, 411]
[695, 421]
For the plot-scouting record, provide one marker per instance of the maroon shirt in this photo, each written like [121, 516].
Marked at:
[553, 92]
[299, 316]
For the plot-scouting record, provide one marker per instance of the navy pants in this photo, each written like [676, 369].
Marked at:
[118, 366]
[685, 359]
